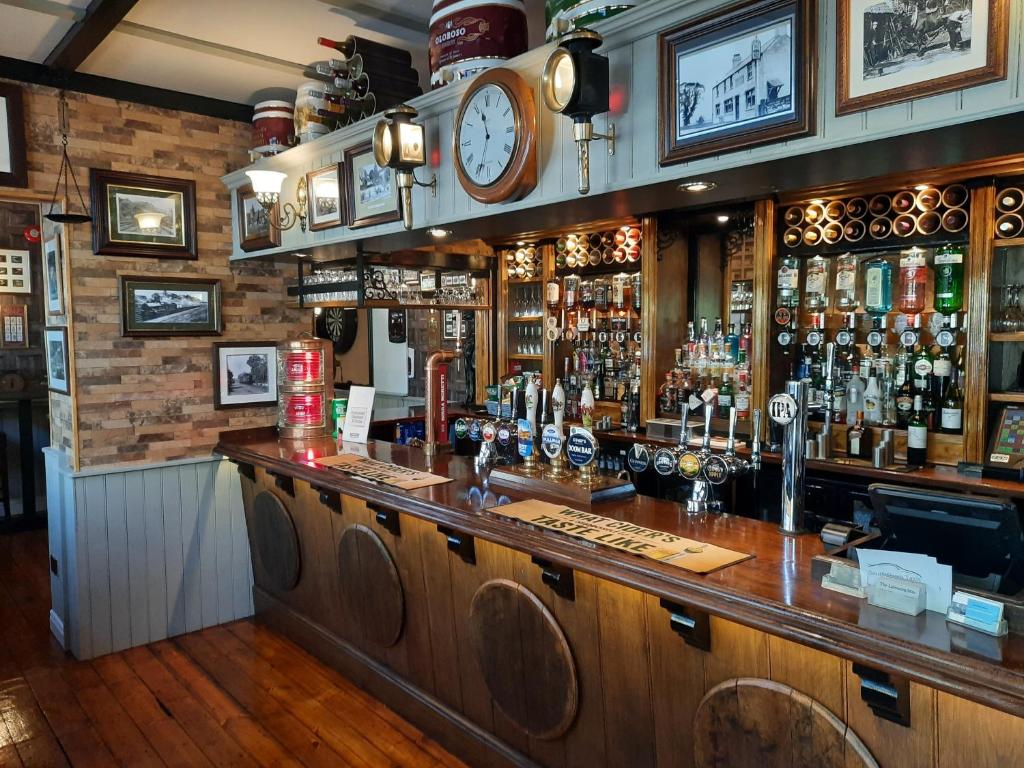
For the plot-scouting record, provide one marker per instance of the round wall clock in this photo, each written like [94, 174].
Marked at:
[495, 138]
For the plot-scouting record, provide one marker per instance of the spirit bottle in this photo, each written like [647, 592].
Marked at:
[872, 401]
[949, 279]
[816, 284]
[788, 282]
[913, 281]
[905, 395]
[732, 343]
[858, 439]
[878, 287]
[917, 436]
[952, 413]
[725, 398]
[855, 394]
[552, 293]
[942, 372]
[846, 282]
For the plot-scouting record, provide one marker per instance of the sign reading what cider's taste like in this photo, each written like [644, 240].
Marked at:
[661, 546]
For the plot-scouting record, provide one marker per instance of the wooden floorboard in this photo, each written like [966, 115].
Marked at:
[238, 695]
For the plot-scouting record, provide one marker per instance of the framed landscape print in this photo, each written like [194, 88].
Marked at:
[254, 230]
[13, 166]
[15, 271]
[244, 374]
[371, 192]
[737, 78]
[895, 51]
[53, 277]
[169, 307]
[323, 188]
[136, 215]
[55, 340]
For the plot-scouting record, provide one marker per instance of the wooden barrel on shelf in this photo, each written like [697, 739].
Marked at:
[468, 36]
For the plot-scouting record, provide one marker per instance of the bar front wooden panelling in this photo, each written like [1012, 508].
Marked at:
[640, 684]
[631, 45]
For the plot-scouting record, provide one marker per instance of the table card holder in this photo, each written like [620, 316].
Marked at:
[900, 595]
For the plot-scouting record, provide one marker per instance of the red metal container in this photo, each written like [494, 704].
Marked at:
[467, 36]
[305, 375]
[273, 125]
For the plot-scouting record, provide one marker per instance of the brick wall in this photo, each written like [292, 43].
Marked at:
[148, 400]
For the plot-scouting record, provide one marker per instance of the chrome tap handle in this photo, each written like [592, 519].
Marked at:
[730, 445]
[755, 445]
[830, 360]
[706, 444]
[682, 424]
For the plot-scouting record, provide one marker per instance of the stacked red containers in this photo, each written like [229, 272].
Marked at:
[305, 372]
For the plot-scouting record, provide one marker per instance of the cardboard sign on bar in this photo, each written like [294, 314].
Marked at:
[381, 471]
[692, 555]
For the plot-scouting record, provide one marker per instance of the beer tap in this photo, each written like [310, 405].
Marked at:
[827, 404]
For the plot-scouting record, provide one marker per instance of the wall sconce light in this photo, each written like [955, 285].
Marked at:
[150, 221]
[398, 144]
[576, 84]
[267, 186]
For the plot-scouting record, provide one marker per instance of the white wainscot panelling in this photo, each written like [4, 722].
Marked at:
[145, 553]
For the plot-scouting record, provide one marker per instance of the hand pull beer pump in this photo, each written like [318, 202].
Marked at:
[436, 415]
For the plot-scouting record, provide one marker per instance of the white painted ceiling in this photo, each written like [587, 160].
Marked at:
[238, 50]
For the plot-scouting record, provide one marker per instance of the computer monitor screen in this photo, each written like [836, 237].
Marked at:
[979, 536]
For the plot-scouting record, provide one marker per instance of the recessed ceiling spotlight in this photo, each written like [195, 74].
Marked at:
[921, 187]
[697, 185]
[817, 201]
[520, 243]
[438, 232]
[722, 218]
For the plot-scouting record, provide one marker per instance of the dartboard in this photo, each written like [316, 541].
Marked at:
[338, 325]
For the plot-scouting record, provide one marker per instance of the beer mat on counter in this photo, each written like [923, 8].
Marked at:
[695, 556]
[382, 471]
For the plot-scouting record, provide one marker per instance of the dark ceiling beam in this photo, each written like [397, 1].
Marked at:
[87, 33]
[30, 72]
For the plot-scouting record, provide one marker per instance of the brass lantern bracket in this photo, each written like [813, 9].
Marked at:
[609, 137]
[432, 184]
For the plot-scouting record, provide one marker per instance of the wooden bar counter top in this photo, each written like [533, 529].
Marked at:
[766, 618]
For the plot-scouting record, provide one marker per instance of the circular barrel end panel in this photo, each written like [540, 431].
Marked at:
[371, 588]
[276, 542]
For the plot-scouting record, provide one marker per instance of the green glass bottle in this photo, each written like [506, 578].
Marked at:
[949, 279]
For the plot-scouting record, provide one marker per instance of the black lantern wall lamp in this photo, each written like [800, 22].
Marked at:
[398, 144]
[576, 84]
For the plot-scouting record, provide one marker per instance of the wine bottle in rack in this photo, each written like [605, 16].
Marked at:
[369, 50]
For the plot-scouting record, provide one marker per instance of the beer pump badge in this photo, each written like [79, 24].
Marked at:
[489, 432]
[782, 409]
[664, 461]
[581, 448]
[461, 428]
[475, 431]
[638, 458]
[504, 433]
[551, 441]
[525, 435]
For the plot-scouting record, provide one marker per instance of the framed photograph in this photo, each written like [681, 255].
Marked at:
[57, 364]
[14, 319]
[15, 271]
[169, 307]
[254, 230]
[900, 50]
[737, 78]
[13, 167]
[244, 374]
[323, 189]
[137, 215]
[53, 277]
[371, 192]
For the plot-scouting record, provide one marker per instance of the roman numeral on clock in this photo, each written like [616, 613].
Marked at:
[508, 149]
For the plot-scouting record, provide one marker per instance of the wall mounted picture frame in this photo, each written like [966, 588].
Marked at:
[892, 52]
[171, 306]
[737, 78]
[15, 271]
[244, 374]
[255, 232]
[53, 277]
[14, 326]
[58, 364]
[139, 215]
[324, 194]
[371, 192]
[13, 163]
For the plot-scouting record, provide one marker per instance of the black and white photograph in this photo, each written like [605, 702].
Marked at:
[323, 188]
[254, 229]
[55, 341]
[895, 50]
[137, 215]
[244, 374]
[736, 79]
[165, 308]
[53, 276]
[371, 193]
[15, 273]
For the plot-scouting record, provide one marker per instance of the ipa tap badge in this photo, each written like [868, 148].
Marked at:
[782, 409]
[581, 447]
[551, 441]
[525, 435]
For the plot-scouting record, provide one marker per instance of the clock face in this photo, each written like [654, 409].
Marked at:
[487, 135]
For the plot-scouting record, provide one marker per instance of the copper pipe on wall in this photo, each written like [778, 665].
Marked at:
[434, 361]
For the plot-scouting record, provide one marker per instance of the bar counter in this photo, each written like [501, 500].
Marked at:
[763, 618]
